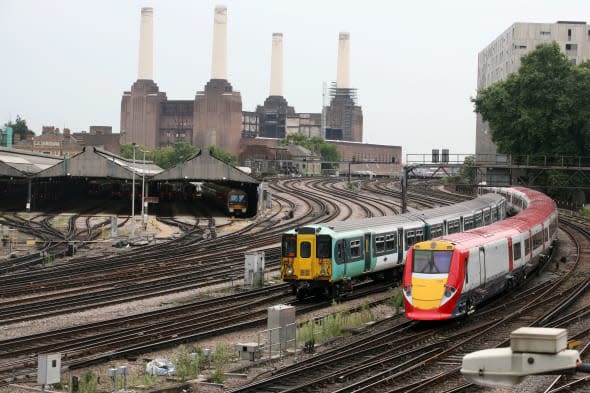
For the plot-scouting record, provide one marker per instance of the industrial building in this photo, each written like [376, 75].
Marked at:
[215, 116]
[502, 57]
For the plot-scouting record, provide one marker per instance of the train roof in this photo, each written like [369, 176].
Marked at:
[418, 217]
[539, 209]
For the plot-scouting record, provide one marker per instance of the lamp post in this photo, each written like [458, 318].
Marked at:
[133, 195]
[143, 202]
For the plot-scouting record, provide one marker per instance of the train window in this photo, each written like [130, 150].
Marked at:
[409, 238]
[324, 249]
[516, 251]
[237, 198]
[546, 239]
[478, 219]
[432, 262]
[355, 248]
[390, 242]
[305, 250]
[453, 226]
[419, 235]
[468, 223]
[494, 214]
[527, 246]
[339, 251]
[379, 244]
[289, 245]
[436, 231]
[537, 240]
[486, 217]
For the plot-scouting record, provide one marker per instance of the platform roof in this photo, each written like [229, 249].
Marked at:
[17, 163]
[203, 166]
[97, 163]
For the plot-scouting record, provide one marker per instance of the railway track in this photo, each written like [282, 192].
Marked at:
[418, 357]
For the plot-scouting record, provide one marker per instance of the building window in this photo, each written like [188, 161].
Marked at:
[545, 33]
[571, 46]
[573, 61]
[569, 34]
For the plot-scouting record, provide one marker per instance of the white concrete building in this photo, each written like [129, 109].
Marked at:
[502, 57]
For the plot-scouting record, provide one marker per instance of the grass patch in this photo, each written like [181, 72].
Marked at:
[333, 325]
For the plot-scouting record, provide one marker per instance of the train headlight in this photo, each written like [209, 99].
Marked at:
[448, 294]
[407, 289]
[289, 270]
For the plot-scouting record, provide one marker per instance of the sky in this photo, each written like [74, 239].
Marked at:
[66, 63]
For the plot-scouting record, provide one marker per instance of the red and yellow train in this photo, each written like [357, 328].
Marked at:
[450, 276]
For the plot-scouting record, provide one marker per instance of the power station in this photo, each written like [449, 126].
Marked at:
[215, 116]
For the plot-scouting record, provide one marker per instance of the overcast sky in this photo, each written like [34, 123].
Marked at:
[414, 63]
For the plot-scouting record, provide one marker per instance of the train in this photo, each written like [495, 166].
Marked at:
[231, 201]
[328, 259]
[449, 277]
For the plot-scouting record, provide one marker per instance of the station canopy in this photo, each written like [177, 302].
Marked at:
[203, 166]
[97, 163]
[22, 164]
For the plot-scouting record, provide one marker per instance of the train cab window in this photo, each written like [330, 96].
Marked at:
[436, 231]
[237, 198]
[432, 262]
[355, 248]
[537, 240]
[289, 245]
[468, 223]
[324, 247]
[379, 244]
[390, 242]
[305, 250]
[516, 251]
[527, 246]
[453, 226]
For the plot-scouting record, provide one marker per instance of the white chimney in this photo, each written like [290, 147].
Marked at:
[219, 62]
[146, 44]
[343, 72]
[276, 65]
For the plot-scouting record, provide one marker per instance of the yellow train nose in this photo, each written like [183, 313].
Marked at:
[427, 293]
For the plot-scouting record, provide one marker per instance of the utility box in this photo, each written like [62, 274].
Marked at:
[248, 351]
[281, 323]
[538, 340]
[254, 269]
[114, 226]
[48, 368]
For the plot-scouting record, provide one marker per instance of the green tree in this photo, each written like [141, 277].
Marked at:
[468, 171]
[20, 127]
[164, 157]
[328, 151]
[223, 155]
[543, 109]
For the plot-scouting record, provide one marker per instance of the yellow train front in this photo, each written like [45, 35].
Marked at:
[433, 281]
[306, 261]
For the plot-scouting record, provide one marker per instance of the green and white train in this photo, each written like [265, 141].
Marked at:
[327, 259]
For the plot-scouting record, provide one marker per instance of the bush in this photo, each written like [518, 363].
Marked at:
[88, 383]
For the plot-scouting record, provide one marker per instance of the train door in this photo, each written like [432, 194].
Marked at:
[400, 245]
[482, 266]
[510, 255]
[368, 252]
[305, 252]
